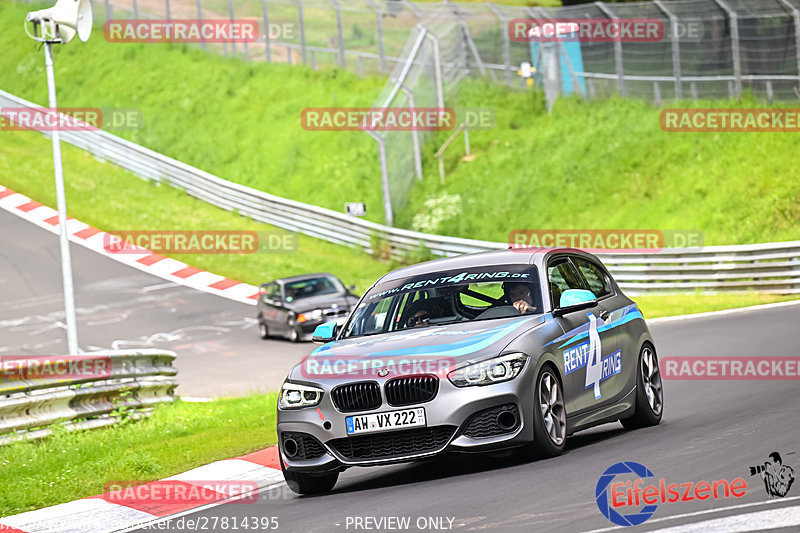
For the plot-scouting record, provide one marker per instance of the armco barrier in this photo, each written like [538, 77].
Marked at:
[137, 380]
[773, 267]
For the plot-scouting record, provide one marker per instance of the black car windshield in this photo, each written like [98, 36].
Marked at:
[305, 288]
[446, 297]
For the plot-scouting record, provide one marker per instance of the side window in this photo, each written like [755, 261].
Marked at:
[594, 276]
[492, 290]
[561, 275]
[271, 291]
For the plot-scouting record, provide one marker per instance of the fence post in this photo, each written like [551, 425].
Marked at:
[135, 9]
[167, 10]
[109, 13]
[379, 30]
[200, 18]
[387, 197]
[339, 33]
[676, 52]
[437, 67]
[506, 45]
[230, 16]
[302, 30]
[735, 52]
[617, 53]
[265, 10]
[796, 17]
[414, 134]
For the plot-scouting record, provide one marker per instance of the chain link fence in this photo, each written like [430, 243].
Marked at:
[709, 49]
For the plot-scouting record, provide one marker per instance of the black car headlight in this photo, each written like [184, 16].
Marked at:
[294, 396]
[495, 370]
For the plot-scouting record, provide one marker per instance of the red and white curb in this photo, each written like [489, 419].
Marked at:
[103, 513]
[152, 263]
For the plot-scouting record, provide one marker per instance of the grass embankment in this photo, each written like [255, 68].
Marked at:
[111, 198]
[178, 437]
[599, 164]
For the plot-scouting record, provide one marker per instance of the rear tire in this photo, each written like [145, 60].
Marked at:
[263, 330]
[549, 417]
[303, 483]
[649, 391]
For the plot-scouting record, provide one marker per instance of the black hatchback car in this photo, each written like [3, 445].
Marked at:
[293, 307]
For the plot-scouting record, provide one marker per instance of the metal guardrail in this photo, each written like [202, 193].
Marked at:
[772, 267]
[135, 381]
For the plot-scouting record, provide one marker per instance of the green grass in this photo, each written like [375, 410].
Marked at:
[685, 304]
[606, 165]
[601, 164]
[110, 198]
[178, 437]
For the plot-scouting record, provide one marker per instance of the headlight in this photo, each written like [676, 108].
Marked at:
[295, 396]
[316, 314]
[495, 370]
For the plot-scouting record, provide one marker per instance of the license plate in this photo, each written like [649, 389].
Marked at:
[407, 418]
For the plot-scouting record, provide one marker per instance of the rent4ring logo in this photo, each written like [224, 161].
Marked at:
[622, 488]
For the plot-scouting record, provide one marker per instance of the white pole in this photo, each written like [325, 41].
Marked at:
[66, 265]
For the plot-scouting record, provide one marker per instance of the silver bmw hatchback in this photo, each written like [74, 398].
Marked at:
[481, 352]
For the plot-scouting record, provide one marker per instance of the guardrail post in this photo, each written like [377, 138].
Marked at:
[617, 53]
[265, 11]
[167, 10]
[135, 9]
[301, 23]
[676, 51]
[109, 12]
[506, 45]
[733, 19]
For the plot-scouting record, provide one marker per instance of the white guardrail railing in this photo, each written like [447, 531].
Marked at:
[773, 267]
[81, 392]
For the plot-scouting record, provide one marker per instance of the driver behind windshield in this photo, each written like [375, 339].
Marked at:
[519, 295]
[420, 312]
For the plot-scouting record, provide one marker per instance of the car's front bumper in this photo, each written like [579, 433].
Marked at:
[452, 408]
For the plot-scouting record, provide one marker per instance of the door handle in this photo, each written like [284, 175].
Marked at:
[605, 314]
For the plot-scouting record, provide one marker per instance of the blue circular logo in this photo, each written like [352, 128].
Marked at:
[602, 498]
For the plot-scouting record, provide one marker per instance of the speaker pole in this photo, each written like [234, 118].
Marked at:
[61, 200]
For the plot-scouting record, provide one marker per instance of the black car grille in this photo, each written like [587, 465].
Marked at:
[334, 313]
[393, 444]
[307, 446]
[361, 396]
[410, 390]
[484, 423]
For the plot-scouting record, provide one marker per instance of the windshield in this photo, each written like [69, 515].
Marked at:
[447, 297]
[296, 290]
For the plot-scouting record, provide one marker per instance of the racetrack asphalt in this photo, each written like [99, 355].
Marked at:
[711, 429]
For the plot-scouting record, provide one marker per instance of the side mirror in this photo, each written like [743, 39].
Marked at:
[574, 300]
[351, 288]
[325, 332]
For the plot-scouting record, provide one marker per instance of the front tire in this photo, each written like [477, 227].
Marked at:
[303, 483]
[294, 336]
[549, 417]
[649, 391]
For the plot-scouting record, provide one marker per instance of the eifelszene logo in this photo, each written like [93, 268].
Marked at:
[613, 499]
